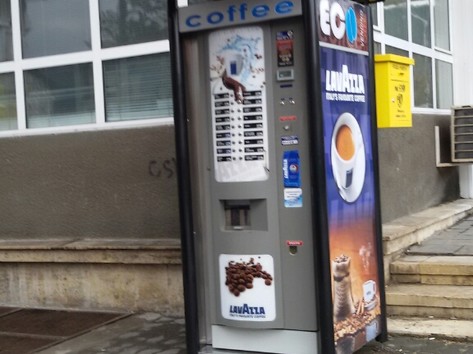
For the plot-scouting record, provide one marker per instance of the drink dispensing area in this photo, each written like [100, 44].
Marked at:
[277, 156]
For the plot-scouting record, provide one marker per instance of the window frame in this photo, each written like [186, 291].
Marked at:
[95, 56]
[433, 52]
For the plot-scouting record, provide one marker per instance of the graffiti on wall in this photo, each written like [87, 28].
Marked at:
[163, 169]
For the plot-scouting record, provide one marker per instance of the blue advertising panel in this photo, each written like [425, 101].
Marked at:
[350, 174]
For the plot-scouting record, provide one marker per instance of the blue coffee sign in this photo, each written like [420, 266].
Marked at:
[227, 13]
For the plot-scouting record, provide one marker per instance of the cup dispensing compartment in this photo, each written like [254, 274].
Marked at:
[246, 214]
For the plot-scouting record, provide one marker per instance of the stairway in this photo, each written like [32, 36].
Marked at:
[432, 286]
[428, 258]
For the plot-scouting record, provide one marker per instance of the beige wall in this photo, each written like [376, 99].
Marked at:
[99, 184]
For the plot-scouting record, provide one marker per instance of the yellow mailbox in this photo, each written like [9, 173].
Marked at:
[393, 91]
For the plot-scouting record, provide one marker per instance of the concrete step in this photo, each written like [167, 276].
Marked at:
[409, 230]
[434, 270]
[437, 301]
[458, 330]
[402, 233]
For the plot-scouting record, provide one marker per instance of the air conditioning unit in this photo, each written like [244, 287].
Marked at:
[462, 134]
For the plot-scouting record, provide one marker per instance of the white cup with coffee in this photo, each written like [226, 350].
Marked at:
[369, 291]
[346, 144]
[345, 151]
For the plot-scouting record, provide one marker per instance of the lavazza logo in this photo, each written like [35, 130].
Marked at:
[334, 20]
[344, 86]
[247, 311]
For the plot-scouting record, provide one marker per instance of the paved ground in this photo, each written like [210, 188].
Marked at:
[151, 333]
[456, 240]
[412, 345]
[146, 333]
[154, 334]
[26, 330]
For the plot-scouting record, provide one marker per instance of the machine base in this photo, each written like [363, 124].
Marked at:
[261, 341]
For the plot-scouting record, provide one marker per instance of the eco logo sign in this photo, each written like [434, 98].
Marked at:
[336, 21]
[351, 25]
[343, 23]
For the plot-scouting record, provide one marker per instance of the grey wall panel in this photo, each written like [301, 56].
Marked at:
[409, 179]
[98, 184]
[122, 183]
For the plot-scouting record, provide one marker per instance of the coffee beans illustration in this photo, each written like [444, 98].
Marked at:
[240, 276]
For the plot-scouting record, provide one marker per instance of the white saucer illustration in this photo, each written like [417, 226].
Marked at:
[348, 157]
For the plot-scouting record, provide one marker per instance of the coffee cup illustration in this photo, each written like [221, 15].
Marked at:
[233, 62]
[369, 291]
[348, 157]
[345, 150]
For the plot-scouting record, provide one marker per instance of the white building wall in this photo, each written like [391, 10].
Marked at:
[462, 27]
[462, 45]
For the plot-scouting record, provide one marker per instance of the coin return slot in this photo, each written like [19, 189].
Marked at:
[292, 250]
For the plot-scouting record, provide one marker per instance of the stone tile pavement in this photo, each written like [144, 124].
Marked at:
[151, 333]
[456, 240]
[146, 333]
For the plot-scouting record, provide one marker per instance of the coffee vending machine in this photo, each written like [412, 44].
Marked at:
[278, 183]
